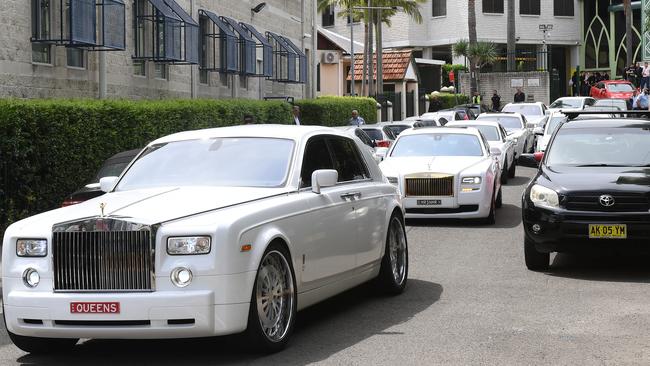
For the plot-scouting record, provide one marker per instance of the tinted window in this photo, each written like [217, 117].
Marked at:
[566, 103]
[363, 137]
[563, 8]
[317, 156]
[491, 133]
[603, 146]
[373, 133]
[389, 133]
[397, 129]
[439, 8]
[111, 170]
[228, 161]
[529, 7]
[493, 6]
[438, 144]
[347, 160]
[509, 123]
[620, 88]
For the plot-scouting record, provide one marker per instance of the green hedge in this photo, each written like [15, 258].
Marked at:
[336, 111]
[49, 148]
[445, 101]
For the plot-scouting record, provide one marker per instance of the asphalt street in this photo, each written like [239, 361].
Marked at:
[470, 301]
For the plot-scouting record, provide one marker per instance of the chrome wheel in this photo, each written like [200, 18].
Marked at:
[397, 250]
[274, 296]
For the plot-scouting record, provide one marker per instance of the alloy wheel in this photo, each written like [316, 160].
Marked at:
[275, 295]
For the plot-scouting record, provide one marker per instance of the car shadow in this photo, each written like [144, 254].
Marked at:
[607, 267]
[321, 331]
[507, 217]
[517, 181]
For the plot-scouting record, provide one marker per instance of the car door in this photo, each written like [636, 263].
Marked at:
[508, 146]
[368, 205]
[329, 241]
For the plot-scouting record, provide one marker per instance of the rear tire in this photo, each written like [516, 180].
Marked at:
[512, 170]
[535, 261]
[393, 273]
[36, 345]
[499, 201]
[504, 174]
[491, 217]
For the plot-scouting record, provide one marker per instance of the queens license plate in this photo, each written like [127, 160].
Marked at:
[95, 307]
[429, 202]
[597, 231]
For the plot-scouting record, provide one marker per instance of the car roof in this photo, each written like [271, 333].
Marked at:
[527, 103]
[291, 132]
[434, 129]
[373, 126]
[616, 82]
[502, 114]
[473, 122]
[606, 123]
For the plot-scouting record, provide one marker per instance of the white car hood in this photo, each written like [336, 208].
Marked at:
[153, 205]
[441, 164]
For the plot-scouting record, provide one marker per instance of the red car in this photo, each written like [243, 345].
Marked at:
[612, 89]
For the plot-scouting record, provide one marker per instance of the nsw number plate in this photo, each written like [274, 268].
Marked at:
[95, 307]
[607, 231]
[429, 202]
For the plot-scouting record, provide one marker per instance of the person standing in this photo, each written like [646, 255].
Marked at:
[520, 96]
[496, 101]
[295, 111]
[630, 74]
[476, 99]
[641, 101]
[356, 120]
[645, 76]
[573, 83]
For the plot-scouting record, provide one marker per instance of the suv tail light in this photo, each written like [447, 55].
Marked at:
[69, 202]
[383, 143]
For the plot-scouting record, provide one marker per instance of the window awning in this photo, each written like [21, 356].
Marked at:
[284, 59]
[302, 60]
[266, 48]
[191, 36]
[247, 47]
[219, 44]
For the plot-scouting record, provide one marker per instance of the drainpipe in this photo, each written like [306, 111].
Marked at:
[314, 46]
[193, 84]
[102, 74]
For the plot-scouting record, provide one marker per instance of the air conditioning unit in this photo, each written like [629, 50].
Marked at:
[330, 57]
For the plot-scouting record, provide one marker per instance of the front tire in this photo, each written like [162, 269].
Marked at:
[272, 313]
[512, 170]
[535, 261]
[36, 345]
[499, 201]
[504, 174]
[393, 273]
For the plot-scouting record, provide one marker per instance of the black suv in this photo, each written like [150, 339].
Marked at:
[592, 190]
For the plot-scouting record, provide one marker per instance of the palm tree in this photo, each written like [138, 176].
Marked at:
[471, 22]
[627, 6]
[512, 47]
[479, 54]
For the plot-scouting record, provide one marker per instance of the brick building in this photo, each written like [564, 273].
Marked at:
[156, 48]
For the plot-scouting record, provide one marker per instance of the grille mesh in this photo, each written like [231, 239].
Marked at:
[440, 187]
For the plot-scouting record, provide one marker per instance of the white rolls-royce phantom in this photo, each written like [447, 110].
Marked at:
[207, 233]
[445, 172]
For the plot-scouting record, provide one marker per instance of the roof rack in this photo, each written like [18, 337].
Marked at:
[573, 114]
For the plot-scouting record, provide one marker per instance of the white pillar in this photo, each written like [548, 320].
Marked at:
[416, 97]
[403, 115]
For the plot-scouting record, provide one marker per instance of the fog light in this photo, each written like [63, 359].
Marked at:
[536, 228]
[181, 276]
[31, 277]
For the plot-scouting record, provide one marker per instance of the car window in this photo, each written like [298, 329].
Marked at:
[567, 103]
[600, 85]
[347, 160]
[504, 133]
[317, 156]
[437, 144]
[363, 136]
[374, 133]
[525, 109]
[617, 88]
[389, 133]
[397, 129]
[590, 101]
[491, 133]
[508, 122]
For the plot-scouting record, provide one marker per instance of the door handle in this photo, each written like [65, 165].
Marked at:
[351, 196]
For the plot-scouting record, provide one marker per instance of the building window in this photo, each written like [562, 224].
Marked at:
[328, 16]
[76, 57]
[161, 71]
[203, 76]
[493, 6]
[139, 68]
[41, 53]
[563, 8]
[529, 7]
[439, 8]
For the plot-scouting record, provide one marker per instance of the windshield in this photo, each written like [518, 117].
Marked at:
[438, 144]
[628, 146]
[552, 124]
[567, 103]
[620, 88]
[397, 129]
[223, 162]
[509, 123]
[525, 109]
[491, 133]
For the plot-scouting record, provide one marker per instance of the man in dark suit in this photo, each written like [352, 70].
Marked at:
[520, 96]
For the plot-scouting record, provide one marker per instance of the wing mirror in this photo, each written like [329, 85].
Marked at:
[539, 131]
[323, 178]
[107, 183]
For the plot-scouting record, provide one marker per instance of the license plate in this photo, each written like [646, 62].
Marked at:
[607, 231]
[95, 307]
[429, 202]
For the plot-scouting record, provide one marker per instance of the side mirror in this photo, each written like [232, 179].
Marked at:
[528, 160]
[495, 151]
[538, 156]
[323, 178]
[538, 131]
[107, 183]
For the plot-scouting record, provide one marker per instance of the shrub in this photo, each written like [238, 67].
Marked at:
[445, 101]
[335, 111]
[49, 148]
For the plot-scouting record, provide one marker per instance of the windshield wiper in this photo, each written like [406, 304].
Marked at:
[599, 165]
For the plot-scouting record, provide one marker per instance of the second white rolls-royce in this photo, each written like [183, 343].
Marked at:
[207, 233]
[445, 173]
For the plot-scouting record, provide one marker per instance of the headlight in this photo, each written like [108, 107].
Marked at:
[31, 247]
[544, 197]
[189, 245]
[471, 180]
[392, 180]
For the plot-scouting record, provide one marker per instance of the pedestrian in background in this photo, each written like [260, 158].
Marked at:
[573, 84]
[295, 111]
[641, 101]
[496, 101]
[476, 99]
[356, 120]
[520, 96]
[645, 76]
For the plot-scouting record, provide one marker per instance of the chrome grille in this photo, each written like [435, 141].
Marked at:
[441, 186]
[103, 261]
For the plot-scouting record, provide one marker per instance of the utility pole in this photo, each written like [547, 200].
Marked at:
[352, 58]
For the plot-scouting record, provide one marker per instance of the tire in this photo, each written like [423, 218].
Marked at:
[499, 201]
[512, 170]
[36, 345]
[393, 273]
[504, 174]
[269, 329]
[491, 217]
[535, 261]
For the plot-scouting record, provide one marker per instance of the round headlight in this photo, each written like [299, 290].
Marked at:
[181, 276]
[31, 277]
